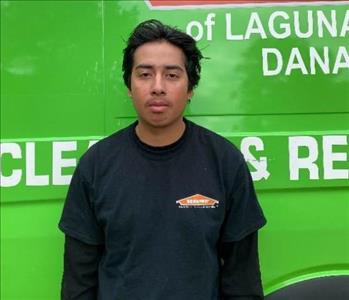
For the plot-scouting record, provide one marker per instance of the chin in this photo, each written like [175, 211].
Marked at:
[159, 122]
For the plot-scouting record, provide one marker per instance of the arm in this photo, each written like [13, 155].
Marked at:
[240, 274]
[80, 275]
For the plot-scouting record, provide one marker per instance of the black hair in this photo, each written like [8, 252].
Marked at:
[154, 30]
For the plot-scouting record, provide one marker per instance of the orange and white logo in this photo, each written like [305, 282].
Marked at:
[197, 201]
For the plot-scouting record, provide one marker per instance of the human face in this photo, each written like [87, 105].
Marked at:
[159, 84]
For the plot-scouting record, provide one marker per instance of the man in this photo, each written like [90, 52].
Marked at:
[163, 209]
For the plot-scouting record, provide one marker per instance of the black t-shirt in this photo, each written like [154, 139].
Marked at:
[161, 212]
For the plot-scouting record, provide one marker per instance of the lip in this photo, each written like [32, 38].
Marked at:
[157, 106]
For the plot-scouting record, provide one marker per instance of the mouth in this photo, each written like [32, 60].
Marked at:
[157, 106]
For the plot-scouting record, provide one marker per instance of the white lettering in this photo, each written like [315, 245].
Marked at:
[345, 26]
[15, 177]
[297, 26]
[255, 26]
[295, 62]
[296, 163]
[259, 165]
[330, 26]
[228, 34]
[279, 62]
[285, 26]
[322, 63]
[91, 143]
[31, 178]
[330, 157]
[281, 25]
[58, 162]
[341, 54]
[209, 23]
[199, 28]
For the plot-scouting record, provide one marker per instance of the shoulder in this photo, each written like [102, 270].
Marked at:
[105, 150]
[217, 143]
[112, 141]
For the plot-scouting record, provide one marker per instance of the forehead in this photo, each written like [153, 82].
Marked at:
[158, 53]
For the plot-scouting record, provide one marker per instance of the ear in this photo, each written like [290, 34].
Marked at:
[190, 94]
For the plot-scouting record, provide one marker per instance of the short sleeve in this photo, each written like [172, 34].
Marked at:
[78, 219]
[244, 214]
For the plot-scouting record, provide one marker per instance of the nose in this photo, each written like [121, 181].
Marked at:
[158, 87]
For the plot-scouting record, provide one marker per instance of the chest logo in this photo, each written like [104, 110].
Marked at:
[197, 201]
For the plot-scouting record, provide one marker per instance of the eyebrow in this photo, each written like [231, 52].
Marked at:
[167, 67]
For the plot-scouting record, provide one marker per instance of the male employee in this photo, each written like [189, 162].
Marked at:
[163, 209]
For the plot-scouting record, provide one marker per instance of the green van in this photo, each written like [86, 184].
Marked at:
[275, 82]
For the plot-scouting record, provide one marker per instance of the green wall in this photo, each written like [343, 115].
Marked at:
[61, 89]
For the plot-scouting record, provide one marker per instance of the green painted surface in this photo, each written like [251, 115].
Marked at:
[61, 88]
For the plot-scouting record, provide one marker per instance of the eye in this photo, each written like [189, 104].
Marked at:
[172, 75]
[144, 75]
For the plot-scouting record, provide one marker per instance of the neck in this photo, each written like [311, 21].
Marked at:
[160, 136]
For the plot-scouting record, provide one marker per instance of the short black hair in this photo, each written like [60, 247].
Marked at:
[154, 30]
